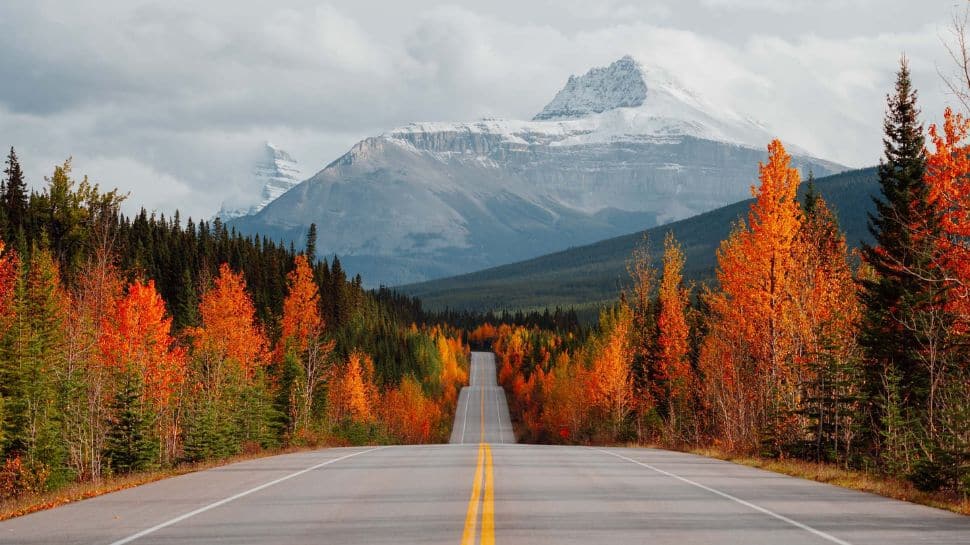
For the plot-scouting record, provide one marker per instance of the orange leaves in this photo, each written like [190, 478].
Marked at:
[409, 415]
[948, 178]
[672, 322]
[9, 269]
[301, 308]
[610, 384]
[136, 338]
[352, 393]
[229, 329]
[757, 267]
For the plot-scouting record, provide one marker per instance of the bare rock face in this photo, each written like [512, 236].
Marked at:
[619, 149]
[619, 85]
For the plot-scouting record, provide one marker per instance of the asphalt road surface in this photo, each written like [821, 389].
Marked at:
[484, 489]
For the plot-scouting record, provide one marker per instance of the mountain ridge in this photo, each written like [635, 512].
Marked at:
[588, 276]
[435, 199]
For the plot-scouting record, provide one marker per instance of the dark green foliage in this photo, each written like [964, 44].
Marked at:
[903, 302]
[131, 443]
[13, 198]
[311, 242]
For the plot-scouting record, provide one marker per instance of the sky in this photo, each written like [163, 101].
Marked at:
[171, 100]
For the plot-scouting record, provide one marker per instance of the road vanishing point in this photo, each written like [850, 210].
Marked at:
[483, 488]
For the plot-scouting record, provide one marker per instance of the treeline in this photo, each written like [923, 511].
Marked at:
[803, 349]
[129, 344]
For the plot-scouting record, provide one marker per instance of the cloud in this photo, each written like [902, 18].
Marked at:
[178, 95]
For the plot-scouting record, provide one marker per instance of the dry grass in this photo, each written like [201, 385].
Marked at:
[23, 505]
[856, 480]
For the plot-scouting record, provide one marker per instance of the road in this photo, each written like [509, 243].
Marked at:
[484, 489]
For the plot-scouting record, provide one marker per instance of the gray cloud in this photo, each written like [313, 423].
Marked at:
[169, 100]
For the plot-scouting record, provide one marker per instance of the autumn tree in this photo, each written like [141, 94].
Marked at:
[673, 335]
[610, 381]
[229, 355]
[89, 384]
[301, 340]
[137, 344]
[751, 348]
[352, 395]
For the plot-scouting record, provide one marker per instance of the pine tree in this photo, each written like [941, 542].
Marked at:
[14, 198]
[905, 227]
[131, 445]
[311, 243]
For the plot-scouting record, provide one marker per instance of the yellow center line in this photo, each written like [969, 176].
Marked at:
[488, 507]
[471, 518]
[483, 471]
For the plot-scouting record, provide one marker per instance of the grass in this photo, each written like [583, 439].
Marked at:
[889, 487]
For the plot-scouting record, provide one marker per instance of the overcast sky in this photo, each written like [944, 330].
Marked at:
[170, 100]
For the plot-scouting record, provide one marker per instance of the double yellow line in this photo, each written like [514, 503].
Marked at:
[482, 493]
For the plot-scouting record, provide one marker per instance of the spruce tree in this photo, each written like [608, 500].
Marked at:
[311, 243]
[14, 197]
[905, 228]
[130, 446]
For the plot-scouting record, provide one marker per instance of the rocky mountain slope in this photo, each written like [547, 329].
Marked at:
[619, 149]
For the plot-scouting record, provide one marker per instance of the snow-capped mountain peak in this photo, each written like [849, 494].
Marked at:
[619, 149]
[619, 85]
[276, 172]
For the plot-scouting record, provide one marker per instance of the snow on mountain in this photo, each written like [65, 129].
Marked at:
[276, 172]
[619, 149]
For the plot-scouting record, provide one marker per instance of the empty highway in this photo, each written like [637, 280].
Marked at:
[483, 488]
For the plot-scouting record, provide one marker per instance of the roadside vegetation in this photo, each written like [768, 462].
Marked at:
[142, 346]
[803, 354]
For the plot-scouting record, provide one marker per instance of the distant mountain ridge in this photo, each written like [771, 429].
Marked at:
[618, 149]
[588, 276]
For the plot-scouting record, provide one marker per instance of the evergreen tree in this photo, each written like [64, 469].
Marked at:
[904, 227]
[311, 243]
[14, 197]
[130, 446]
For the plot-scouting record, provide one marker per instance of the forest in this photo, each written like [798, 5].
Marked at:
[802, 349]
[134, 343]
[129, 344]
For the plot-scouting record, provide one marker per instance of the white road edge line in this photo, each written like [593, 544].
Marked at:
[735, 499]
[234, 497]
[464, 419]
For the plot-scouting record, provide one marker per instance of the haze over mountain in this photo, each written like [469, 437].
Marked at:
[619, 149]
[276, 172]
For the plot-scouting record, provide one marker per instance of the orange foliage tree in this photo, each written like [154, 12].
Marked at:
[948, 178]
[673, 333]
[610, 382]
[409, 415]
[229, 343]
[136, 341]
[302, 329]
[753, 340]
[352, 394]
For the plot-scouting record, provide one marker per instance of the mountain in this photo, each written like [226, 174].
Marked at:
[276, 172]
[618, 149]
[589, 276]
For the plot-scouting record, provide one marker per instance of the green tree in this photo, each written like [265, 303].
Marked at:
[14, 197]
[902, 319]
[131, 445]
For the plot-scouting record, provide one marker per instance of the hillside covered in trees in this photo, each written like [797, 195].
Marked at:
[133, 343]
